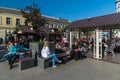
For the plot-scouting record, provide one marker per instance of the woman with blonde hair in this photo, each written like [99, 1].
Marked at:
[6, 55]
[45, 53]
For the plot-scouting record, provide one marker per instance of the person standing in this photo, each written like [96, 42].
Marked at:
[62, 43]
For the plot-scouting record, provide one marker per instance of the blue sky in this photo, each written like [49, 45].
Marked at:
[67, 9]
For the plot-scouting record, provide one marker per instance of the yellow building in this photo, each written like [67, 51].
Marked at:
[9, 20]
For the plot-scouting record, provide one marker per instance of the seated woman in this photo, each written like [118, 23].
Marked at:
[75, 52]
[12, 56]
[6, 55]
[45, 53]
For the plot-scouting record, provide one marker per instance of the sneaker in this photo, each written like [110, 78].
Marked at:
[54, 66]
[60, 61]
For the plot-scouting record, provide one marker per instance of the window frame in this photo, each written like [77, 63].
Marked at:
[8, 22]
[118, 5]
[16, 21]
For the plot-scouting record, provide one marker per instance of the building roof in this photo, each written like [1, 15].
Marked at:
[48, 31]
[100, 21]
[55, 18]
[9, 10]
[26, 29]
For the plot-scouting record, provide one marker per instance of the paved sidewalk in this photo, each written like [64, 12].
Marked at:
[113, 59]
[87, 69]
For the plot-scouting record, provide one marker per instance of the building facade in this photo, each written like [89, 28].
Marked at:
[9, 20]
[52, 22]
[118, 6]
[12, 18]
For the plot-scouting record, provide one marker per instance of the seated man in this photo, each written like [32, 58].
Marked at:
[58, 49]
[20, 50]
[75, 52]
[12, 56]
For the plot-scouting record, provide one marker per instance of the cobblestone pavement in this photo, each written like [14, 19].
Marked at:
[87, 69]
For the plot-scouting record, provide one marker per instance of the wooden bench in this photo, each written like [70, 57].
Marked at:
[61, 55]
[26, 63]
[64, 57]
[45, 63]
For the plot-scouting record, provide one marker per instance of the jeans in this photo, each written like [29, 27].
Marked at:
[20, 54]
[11, 59]
[54, 58]
[5, 57]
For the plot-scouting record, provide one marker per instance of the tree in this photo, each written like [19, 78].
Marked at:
[33, 16]
[63, 29]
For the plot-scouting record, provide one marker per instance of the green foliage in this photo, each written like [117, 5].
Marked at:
[33, 15]
[63, 29]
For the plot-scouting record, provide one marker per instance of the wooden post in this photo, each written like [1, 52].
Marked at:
[70, 39]
[110, 37]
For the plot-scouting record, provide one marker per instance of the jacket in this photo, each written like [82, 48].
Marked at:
[13, 49]
[45, 52]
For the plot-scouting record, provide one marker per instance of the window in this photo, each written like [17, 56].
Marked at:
[8, 21]
[59, 26]
[46, 25]
[0, 20]
[17, 22]
[118, 5]
[55, 26]
[26, 23]
[62, 26]
[52, 26]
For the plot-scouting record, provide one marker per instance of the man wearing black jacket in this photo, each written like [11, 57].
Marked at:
[75, 52]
